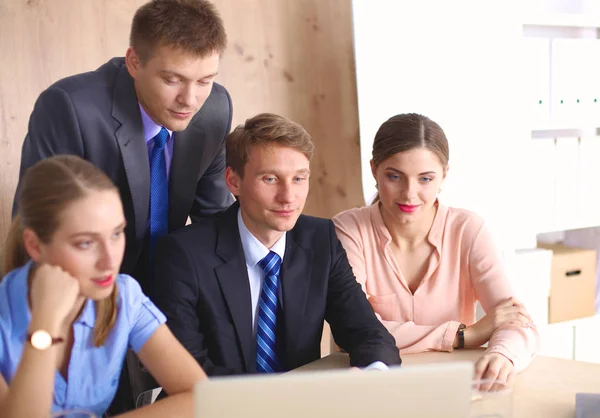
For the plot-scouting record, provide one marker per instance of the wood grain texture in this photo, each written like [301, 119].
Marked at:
[296, 58]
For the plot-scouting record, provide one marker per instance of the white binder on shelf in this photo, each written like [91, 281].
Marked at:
[567, 183]
[542, 195]
[536, 81]
[589, 173]
[591, 80]
[567, 83]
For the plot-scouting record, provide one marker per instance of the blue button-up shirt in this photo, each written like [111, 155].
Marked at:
[93, 372]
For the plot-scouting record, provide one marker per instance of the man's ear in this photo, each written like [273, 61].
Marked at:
[233, 180]
[133, 62]
[32, 244]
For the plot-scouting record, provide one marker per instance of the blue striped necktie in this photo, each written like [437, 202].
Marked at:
[159, 193]
[266, 354]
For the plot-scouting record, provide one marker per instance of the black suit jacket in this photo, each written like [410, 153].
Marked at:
[203, 288]
[96, 116]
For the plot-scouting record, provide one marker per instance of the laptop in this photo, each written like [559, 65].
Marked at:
[431, 390]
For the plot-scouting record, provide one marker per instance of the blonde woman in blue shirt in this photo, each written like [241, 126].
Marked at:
[67, 317]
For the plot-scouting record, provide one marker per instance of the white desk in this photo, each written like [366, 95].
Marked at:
[546, 389]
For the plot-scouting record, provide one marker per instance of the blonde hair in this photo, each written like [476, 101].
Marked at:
[265, 129]
[47, 188]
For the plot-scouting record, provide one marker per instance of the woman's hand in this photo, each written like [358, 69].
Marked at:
[509, 312]
[53, 296]
[494, 367]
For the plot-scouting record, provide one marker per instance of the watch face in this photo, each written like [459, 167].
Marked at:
[41, 340]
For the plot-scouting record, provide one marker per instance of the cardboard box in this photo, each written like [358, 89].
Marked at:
[572, 283]
[586, 238]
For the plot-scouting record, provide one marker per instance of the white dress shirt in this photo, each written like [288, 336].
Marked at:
[254, 251]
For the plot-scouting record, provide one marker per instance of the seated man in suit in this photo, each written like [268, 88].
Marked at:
[248, 290]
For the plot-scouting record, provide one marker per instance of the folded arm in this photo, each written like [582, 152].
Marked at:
[409, 337]
[413, 338]
[517, 342]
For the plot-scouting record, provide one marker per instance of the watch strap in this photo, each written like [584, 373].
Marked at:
[461, 336]
[54, 340]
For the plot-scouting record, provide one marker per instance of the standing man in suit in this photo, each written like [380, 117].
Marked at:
[155, 121]
[248, 291]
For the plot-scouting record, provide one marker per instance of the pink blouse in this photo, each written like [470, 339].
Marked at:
[465, 267]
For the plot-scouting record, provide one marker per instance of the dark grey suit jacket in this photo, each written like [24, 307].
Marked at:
[204, 290]
[96, 116]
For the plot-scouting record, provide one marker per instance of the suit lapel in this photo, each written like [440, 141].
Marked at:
[188, 145]
[234, 282]
[295, 281]
[130, 137]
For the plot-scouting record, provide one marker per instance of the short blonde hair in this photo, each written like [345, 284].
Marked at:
[265, 129]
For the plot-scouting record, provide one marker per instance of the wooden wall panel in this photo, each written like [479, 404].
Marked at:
[296, 58]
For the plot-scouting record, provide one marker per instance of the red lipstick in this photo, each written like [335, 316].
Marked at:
[104, 281]
[408, 208]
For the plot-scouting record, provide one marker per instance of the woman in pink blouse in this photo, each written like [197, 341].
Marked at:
[424, 265]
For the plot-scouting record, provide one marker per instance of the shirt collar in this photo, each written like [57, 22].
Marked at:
[254, 250]
[151, 128]
[436, 233]
[88, 314]
[18, 291]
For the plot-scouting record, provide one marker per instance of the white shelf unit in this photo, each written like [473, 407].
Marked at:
[561, 53]
[567, 147]
[566, 20]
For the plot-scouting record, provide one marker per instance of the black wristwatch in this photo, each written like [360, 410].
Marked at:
[461, 335]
